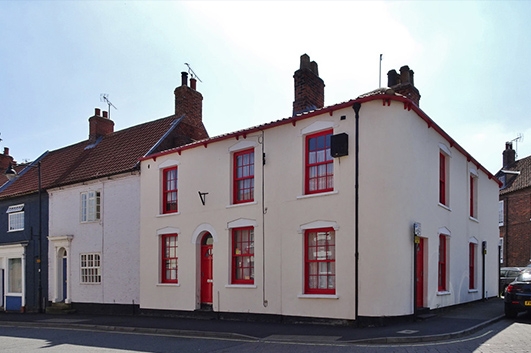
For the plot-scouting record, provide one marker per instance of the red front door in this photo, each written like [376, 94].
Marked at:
[419, 280]
[206, 269]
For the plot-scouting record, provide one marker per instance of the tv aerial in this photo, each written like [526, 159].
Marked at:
[519, 137]
[192, 73]
[104, 97]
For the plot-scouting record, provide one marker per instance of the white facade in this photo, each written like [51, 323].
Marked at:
[398, 186]
[113, 238]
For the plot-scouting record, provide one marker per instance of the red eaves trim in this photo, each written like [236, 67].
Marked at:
[386, 100]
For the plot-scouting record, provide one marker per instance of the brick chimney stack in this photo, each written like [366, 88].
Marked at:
[5, 160]
[100, 125]
[189, 103]
[403, 83]
[509, 155]
[309, 87]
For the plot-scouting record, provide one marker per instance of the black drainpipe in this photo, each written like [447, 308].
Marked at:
[356, 108]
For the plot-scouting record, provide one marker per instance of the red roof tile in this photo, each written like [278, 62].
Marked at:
[112, 154]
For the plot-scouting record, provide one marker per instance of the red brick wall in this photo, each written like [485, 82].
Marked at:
[516, 230]
[189, 102]
[309, 87]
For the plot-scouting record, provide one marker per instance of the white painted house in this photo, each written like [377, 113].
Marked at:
[315, 215]
[94, 206]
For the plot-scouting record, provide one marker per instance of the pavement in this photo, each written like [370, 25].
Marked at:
[444, 324]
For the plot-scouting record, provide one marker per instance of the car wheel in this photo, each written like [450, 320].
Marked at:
[510, 313]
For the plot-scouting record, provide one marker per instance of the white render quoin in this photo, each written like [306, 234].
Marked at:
[300, 258]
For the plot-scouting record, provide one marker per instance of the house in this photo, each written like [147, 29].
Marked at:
[93, 201]
[23, 245]
[361, 209]
[515, 209]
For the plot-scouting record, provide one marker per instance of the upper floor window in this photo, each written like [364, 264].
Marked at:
[90, 206]
[15, 215]
[473, 195]
[243, 255]
[500, 213]
[169, 190]
[320, 261]
[169, 268]
[90, 268]
[243, 176]
[443, 179]
[319, 173]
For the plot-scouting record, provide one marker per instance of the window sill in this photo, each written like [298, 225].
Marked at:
[473, 291]
[318, 296]
[473, 219]
[441, 293]
[301, 197]
[15, 230]
[168, 285]
[445, 207]
[242, 204]
[168, 214]
[246, 286]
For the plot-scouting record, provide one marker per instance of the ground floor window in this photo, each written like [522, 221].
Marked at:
[90, 268]
[14, 283]
[320, 261]
[472, 265]
[442, 263]
[169, 259]
[243, 255]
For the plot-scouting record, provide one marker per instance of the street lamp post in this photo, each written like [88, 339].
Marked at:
[11, 174]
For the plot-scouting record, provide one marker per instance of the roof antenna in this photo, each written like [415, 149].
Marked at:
[380, 75]
[104, 97]
[519, 137]
[192, 73]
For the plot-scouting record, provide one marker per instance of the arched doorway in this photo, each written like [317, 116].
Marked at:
[207, 282]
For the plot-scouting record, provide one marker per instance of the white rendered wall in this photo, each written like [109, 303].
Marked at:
[115, 237]
[399, 175]
[398, 186]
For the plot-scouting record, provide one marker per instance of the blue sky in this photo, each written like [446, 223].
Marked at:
[471, 62]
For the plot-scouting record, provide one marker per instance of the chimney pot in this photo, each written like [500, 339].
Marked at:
[6, 151]
[97, 111]
[105, 114]
[193, 83]
[184, 78]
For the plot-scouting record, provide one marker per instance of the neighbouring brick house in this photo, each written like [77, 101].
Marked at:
[515, 209]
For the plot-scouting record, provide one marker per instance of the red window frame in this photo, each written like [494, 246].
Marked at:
[243, 176]
[442, 178]
[319, 171]
[169, 258]
[170, 190]
[442, 262]
[320, 261]
[472, 266]
[473, 196]
[243, 255]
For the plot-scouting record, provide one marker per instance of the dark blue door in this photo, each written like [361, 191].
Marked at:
[64, 278]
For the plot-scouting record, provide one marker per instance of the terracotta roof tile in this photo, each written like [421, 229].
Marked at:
[113, 154]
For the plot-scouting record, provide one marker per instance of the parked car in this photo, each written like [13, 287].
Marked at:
[507, 275]
[518, 294]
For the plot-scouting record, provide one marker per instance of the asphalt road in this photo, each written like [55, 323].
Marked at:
[502, 336]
